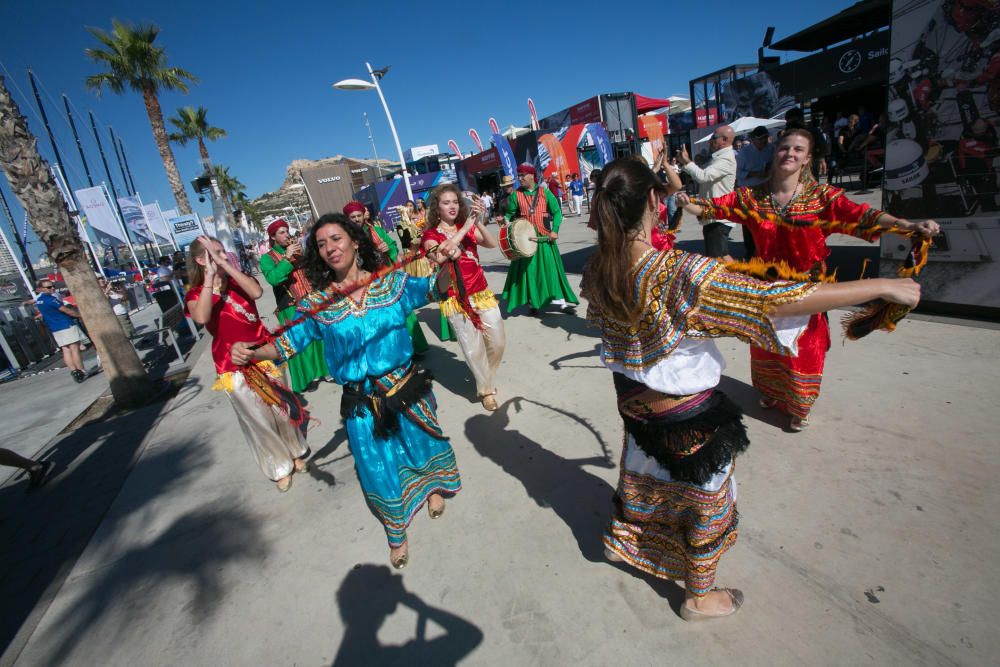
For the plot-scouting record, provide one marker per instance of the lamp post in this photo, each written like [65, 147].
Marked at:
[360, 84]
[296, 214]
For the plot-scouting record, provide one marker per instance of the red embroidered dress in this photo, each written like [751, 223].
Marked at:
[471, 273]
[234, 319]
[817, 212]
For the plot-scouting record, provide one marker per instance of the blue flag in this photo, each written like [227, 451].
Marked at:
[506, 155]
[601, 141]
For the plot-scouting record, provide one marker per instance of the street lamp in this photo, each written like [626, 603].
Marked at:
[296, 214]
[360, 84]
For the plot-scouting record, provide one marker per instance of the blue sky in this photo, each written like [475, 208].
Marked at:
[265, 70]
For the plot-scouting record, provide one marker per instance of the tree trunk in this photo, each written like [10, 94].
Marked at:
[204, 153]
[32, 183]
[166, 153]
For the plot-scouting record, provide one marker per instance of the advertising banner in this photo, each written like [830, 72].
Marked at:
[506, 155]
[942, 153]
[453, 145]
[385, 196]
[186, 229]
[588, 111]
[494, 127]
[599, 137]
[135, 219]
[532, 114]
[653, 128]
[552, 157]
[157, 223]
[98, 211]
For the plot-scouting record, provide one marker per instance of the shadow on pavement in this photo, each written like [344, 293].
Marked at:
[45, 532]
[560, 362]
[368, 596]
[580, 499]
[192, 552]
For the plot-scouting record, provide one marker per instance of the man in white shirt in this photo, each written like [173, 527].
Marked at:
[717, 178]
[752, 165]
[487, 201]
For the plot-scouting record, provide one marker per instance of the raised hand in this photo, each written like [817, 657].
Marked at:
[682, 199]
[241, 354]
[905, 291]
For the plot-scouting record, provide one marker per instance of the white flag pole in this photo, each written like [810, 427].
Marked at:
[166, 226]
[121, 223]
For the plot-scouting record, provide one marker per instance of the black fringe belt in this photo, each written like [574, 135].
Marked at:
[390, 395]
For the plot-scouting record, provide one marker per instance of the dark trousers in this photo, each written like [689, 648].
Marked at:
[748, 243]
[716, 239]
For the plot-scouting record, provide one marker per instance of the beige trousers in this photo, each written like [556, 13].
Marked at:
[482, 350]
[273, 441]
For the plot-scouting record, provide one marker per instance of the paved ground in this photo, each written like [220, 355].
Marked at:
[864, 540]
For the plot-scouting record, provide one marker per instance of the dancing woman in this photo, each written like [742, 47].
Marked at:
[471, 308]
[401, 456]
[222, 298]
[813, 212]
[674, 511]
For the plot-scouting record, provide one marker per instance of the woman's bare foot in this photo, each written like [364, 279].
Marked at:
[435, 505]
[301, 465]
[284, 483]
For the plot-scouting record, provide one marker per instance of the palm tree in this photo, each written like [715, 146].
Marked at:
[32, 182]
[134, 62]
[192, 124]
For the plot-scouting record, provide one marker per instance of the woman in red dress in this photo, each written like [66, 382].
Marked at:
[222, 299]
[471, 308]
[810, 212]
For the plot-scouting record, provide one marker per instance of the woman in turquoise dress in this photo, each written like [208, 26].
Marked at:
[402, 458]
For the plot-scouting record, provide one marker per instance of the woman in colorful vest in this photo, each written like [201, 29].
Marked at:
[674, 512]
[472, 310]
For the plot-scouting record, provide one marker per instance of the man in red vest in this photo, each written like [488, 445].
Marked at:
[540, 279]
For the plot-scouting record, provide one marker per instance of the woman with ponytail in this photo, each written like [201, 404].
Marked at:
[812, 212]
[674, 512]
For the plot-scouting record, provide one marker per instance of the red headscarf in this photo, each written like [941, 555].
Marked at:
[354, 206]
[273, 228]
[526, 169]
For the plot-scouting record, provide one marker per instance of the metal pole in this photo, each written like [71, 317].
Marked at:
[395, 137]
[114, 193]
[371, 138]
[17, 239]
[121, 168]
[24, 277]
[45, 121]
[121, 144]
[83, 157]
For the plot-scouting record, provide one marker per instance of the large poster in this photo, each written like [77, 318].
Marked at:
[942, 156]
[329, 187]
[135, 218]
[186, 228]
[97, 210]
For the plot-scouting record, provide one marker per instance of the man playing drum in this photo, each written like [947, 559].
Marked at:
[539, 279]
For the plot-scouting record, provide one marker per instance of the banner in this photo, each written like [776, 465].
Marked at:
[651, 127]
[533, 114]
[186, 229]
[135, 220]
[507, 160]
[476, 140]
[98, 211]
[941, 147]
[556, 162]
[157, 223]
[494, 127]
[453, 145]
[601, 141]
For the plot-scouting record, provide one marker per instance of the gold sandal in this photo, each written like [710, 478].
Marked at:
[285, 483]
[489, 402]
[400, 561]
[435, 513]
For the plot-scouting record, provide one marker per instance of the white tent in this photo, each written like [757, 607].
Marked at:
[747, 123]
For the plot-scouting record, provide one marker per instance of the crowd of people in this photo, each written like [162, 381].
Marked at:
[348, 291]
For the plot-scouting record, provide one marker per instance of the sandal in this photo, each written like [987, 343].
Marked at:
[301, 465]
[38, 475]
[735, 598]
[489, 402]
[798, 423]
[399, 561]
[284, 483]
[612, 556]
[435, 513]
[767, 403]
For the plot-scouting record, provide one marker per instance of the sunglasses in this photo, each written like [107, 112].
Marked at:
[48, 286]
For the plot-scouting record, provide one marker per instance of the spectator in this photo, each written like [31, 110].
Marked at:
[164, 271]
[576, 189]
[118, 299]
[716, 179]
[61, 321]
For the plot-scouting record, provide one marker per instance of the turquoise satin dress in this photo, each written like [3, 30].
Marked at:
[367, 343]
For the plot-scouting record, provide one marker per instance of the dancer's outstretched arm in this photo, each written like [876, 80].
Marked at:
[829, 296]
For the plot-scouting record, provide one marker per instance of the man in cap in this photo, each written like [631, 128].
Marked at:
[753, 163]
[541, 278]
[358, 214]
[715, 179]
[503, 199]
[280, 267]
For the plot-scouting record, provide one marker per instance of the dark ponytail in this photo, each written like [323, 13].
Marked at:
[616, 212]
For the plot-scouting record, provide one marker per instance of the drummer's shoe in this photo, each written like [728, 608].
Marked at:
[533, 311]
[569, 309]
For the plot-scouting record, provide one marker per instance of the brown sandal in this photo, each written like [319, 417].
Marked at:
[735, 598]
[489, 402]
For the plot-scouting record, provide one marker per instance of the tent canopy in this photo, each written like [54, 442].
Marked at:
[644, 104]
